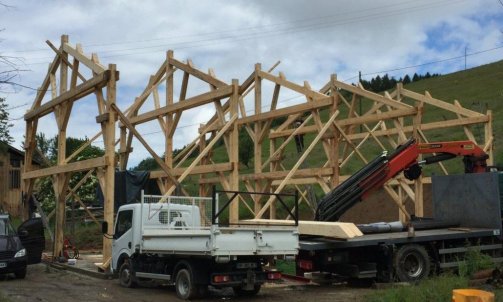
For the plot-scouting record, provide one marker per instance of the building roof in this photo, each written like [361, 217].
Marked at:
[20, 153]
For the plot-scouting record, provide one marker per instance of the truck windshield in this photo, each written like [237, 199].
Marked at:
[6, 228]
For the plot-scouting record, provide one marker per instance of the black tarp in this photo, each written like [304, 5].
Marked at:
[128, 187]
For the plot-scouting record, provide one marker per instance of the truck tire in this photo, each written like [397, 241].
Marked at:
[239, 291]
[411, 263]
[20, 274]
[184, 285]
[126, 275]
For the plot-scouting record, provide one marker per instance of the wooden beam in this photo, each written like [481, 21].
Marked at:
[96, 67]
[440, 104]
[135, 132]
[80, 91]
[202, 169]
[189, 103]
[290, 85]
[352, 121]
[368, 94]
[200, 156]
[427, 126]
[78, 166]
[197, 73]
[321, 103]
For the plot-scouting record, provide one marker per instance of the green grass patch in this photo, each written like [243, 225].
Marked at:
[86, 236]
[437, 289]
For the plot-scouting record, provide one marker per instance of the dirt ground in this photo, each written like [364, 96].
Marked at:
[48, 284]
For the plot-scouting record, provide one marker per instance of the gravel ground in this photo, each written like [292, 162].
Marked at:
[48, 284]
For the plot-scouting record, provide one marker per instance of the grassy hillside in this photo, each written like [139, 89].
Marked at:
[478, 89]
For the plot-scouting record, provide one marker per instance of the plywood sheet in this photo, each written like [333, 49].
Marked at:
[340, 230]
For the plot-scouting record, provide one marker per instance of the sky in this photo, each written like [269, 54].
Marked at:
[312, 39]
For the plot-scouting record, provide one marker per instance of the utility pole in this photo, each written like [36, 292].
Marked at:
[466, 47]
[360, 99]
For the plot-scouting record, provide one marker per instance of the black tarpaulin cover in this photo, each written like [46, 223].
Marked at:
[128, 186]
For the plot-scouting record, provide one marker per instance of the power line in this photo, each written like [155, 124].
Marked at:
[427, 63]
[239, 30]
[270, 33]
[18, 106]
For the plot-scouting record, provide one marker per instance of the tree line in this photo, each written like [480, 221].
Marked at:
[379, 84]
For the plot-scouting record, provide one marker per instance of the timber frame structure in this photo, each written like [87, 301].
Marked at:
[342, 125]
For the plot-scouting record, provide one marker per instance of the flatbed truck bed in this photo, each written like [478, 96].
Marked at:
[472, 201]
[421, 236]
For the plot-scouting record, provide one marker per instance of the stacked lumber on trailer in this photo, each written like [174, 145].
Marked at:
[339, 230]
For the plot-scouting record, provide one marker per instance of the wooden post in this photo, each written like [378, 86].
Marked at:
[61, 180]
[418, 183]
[108, 211]
[123, 149]
[488, 138]
[334, 142]
[234, 151]
[257, 141]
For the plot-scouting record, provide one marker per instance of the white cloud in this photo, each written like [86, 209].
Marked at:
[312, 39]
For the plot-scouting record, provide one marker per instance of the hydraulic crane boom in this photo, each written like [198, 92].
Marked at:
[385, 167]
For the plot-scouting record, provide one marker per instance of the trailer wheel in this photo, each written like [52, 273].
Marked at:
[185, 287]
[126, 276]
[239, 291]
[411, 263]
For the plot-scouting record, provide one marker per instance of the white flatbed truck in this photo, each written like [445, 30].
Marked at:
[182, 242]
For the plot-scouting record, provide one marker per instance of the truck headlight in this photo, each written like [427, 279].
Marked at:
[20, 253]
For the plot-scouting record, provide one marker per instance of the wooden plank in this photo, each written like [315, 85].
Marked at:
[440, 104]
[339, 230]
[78, 166]
[189, 103]
[80, 91]
[279, 175]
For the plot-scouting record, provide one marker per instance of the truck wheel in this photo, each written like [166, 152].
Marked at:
[411, 263]
[20, 274]
[239, 291]
[126, 277]
[184, 285]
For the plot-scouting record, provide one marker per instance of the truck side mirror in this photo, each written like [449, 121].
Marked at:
[104, 227]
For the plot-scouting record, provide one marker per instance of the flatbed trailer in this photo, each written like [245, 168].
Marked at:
[472, 201]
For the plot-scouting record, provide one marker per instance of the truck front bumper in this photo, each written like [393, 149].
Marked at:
[12, 265]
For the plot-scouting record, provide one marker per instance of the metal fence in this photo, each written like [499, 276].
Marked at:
[176, 212]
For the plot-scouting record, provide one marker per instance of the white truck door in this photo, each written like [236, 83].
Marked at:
[123, 236]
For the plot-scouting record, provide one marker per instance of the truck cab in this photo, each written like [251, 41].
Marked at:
[18, 249]
[128, 230]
